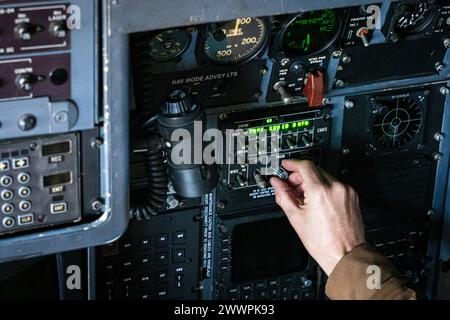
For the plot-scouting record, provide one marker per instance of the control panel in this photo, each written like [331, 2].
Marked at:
[39, 183]
[261, 144]
[360, 90]
[51, 137]
[153, 261]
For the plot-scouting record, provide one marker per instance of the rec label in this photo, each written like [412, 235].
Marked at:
[203, 78]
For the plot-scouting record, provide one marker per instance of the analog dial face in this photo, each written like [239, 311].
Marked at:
[397, 122]
[235, 41]
[311, 32]
[413, 18]
[168, 45]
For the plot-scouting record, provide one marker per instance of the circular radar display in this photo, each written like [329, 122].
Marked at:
[397, 122]
[235, 41]
[169, 44]
[414, 17]
[311, 32]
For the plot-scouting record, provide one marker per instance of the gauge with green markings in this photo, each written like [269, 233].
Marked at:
[311, 32]
[169, 44]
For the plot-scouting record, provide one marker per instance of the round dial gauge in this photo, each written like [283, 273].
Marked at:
[397, 122]
[311, 32]
[235, 41]
[414, 18]
[169, 44]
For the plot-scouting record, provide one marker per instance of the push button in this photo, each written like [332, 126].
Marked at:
[179, 237]
[21, 163]
[24, 192]
[24, 178]
[161, 277]
[4, 165]
[7, 208]
[25, 219]
[8, 222]
[179, 255]
[25, 206]
[6, 195]
[161, 258]
[162, 240]
[6, 181]
[58, 208]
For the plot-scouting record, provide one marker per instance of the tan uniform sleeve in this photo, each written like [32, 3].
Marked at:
[349, 280]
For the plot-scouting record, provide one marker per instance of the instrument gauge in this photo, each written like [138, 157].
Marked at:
[414, 18]
[169, 44]
[311, 32]
[235, 41]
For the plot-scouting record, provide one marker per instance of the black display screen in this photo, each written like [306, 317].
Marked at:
[266, 249]
[57, 179]
[56, 148]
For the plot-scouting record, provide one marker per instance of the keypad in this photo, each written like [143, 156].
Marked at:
[27, 182]
[149, 267]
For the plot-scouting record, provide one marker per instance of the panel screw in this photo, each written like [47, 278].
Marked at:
[437, 156]
[430, 213]
[445, 91]
[346, 152]
[438, 136]
[221, 205]
[439, 66]
[97, 143]
[61, 117]
[337, 54]
[97, 205]
[264, 70]
[339, 83]
[346, 59]
[349, 104]
[447, 43]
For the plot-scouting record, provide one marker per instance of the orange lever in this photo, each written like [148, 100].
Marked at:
[314, 88]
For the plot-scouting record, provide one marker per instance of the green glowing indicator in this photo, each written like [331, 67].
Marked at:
[311, 32]
[281, 127]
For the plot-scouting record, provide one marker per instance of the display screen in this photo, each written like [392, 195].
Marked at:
[56, 148]
[266, 249]
[57, 179]
[283, 127]
[311, 32]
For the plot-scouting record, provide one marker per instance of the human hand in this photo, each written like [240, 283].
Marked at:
[324, 212]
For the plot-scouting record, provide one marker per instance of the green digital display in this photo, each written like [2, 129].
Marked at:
[280, 127]
[311, 32]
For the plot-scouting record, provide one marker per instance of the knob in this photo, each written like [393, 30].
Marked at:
[290, 142]
[260, 181]
[178, 103]
[58, 29]
[24, 31]
[241, 180]
[25, 82]
[285, 96]
[307, 283]
[27, 122]
[306, 140]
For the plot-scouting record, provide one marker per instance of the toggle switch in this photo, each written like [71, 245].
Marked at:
[285, 96]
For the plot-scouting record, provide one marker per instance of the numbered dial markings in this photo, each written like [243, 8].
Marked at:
[235, 41]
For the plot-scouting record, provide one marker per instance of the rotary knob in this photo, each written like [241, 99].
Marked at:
[24, 31]
[58, 29]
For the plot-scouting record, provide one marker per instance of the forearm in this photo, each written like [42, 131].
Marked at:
[364, 274]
